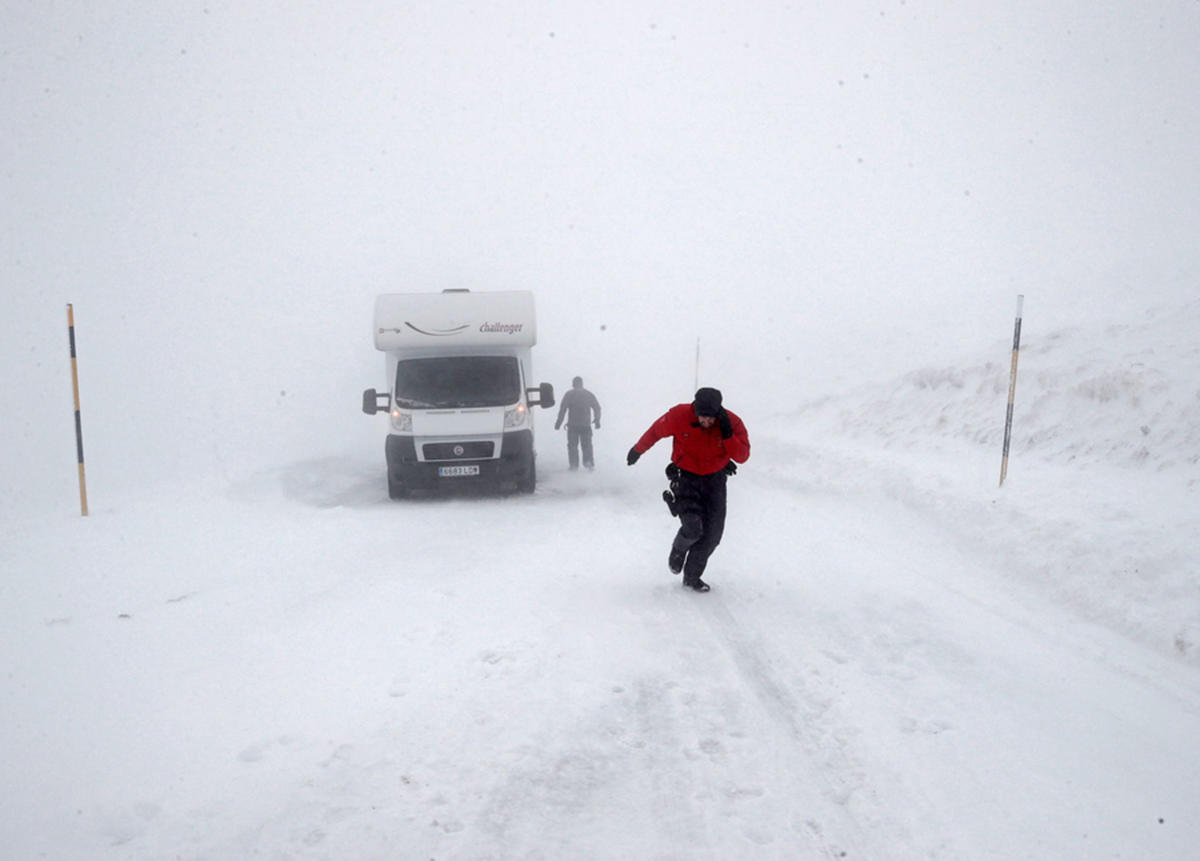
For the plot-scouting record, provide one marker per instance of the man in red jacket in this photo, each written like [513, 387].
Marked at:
[707, 440]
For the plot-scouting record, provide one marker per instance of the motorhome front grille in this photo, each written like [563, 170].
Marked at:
[458, 450]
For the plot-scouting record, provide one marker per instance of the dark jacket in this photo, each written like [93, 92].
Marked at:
[577, 405]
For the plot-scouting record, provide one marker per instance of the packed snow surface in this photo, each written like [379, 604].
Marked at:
[898, 658]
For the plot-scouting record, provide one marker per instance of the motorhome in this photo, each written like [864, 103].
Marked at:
[459, 401]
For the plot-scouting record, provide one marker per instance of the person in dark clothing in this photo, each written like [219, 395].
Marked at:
[708, 443]
[582, 411]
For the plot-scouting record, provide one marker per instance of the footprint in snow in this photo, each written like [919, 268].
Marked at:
[255, 752]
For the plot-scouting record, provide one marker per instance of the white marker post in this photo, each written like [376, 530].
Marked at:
[1012, 389]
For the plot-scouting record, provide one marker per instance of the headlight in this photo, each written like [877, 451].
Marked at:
[515, 417]
[401, 420]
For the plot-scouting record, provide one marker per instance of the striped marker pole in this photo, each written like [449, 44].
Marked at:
[1012, 390]
[83, 510]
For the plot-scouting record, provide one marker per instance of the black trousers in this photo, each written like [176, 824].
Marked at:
[701, 500]
[579, 435]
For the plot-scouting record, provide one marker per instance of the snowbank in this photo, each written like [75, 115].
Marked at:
[1099, 507]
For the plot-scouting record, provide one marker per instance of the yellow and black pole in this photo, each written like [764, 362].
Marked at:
[1012, 389]
[78, 423]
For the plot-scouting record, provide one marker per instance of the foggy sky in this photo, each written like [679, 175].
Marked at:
[816, 193]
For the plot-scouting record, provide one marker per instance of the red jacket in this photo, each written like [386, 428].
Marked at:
[697, 449]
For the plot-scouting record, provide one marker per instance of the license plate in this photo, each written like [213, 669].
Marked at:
[452, 471]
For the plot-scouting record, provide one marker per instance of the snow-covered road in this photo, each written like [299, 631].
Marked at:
[299, 668]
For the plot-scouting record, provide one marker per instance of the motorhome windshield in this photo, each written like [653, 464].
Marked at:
[457, 381]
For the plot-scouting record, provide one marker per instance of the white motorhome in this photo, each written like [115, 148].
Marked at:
[458, 370]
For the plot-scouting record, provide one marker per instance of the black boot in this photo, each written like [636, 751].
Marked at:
[675, 560]
[695, 583]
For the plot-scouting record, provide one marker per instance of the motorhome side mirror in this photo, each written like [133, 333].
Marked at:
[545, 396]
[371, 400]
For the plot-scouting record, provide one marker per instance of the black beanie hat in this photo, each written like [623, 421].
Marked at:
[707, 402]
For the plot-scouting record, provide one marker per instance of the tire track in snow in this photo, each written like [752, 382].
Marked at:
[803, 720]
[812, 731]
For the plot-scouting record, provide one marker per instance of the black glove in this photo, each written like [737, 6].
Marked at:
[730, 468]
[597, 424]
[672, 503]
[725, 424]
[633, 456]
[557, 425]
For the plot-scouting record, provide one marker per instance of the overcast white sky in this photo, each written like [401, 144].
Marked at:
[818, 192]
